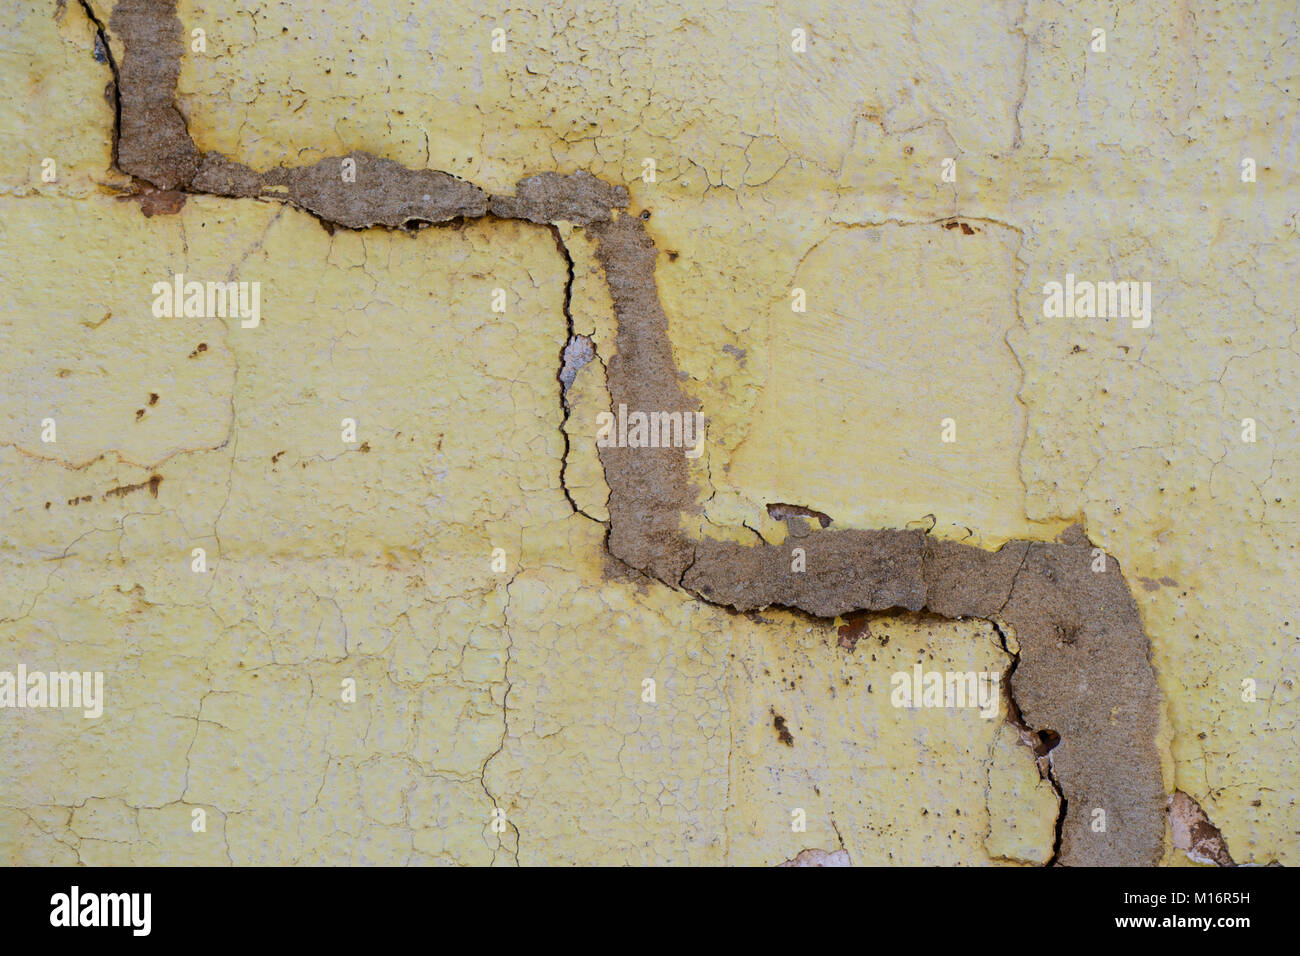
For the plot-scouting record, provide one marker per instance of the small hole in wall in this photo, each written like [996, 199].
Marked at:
[645, 213]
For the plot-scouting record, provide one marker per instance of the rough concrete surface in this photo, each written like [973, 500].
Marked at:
[447, 634]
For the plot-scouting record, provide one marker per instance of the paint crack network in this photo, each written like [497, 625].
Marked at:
[1082, 675]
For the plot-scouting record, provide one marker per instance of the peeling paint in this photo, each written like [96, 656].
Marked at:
[1083, 696]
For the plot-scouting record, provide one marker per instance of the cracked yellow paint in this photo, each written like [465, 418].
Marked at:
[46, 65]
[865, 772]
[521, 689]
[1021, 805]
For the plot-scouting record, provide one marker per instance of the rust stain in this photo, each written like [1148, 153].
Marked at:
[122, 490]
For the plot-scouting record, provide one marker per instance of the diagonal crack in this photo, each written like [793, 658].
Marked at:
[1082, 656]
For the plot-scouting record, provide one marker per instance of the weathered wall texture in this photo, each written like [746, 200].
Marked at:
[501, 712]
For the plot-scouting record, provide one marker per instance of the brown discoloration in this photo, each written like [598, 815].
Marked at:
[1194, 834]
[855, 628]
[122, 490]
[158, 202]
[782, 731]
[1083, 664]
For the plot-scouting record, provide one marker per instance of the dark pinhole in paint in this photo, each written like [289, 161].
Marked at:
[645, 213]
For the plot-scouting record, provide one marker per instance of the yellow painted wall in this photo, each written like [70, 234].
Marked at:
[523, 689]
